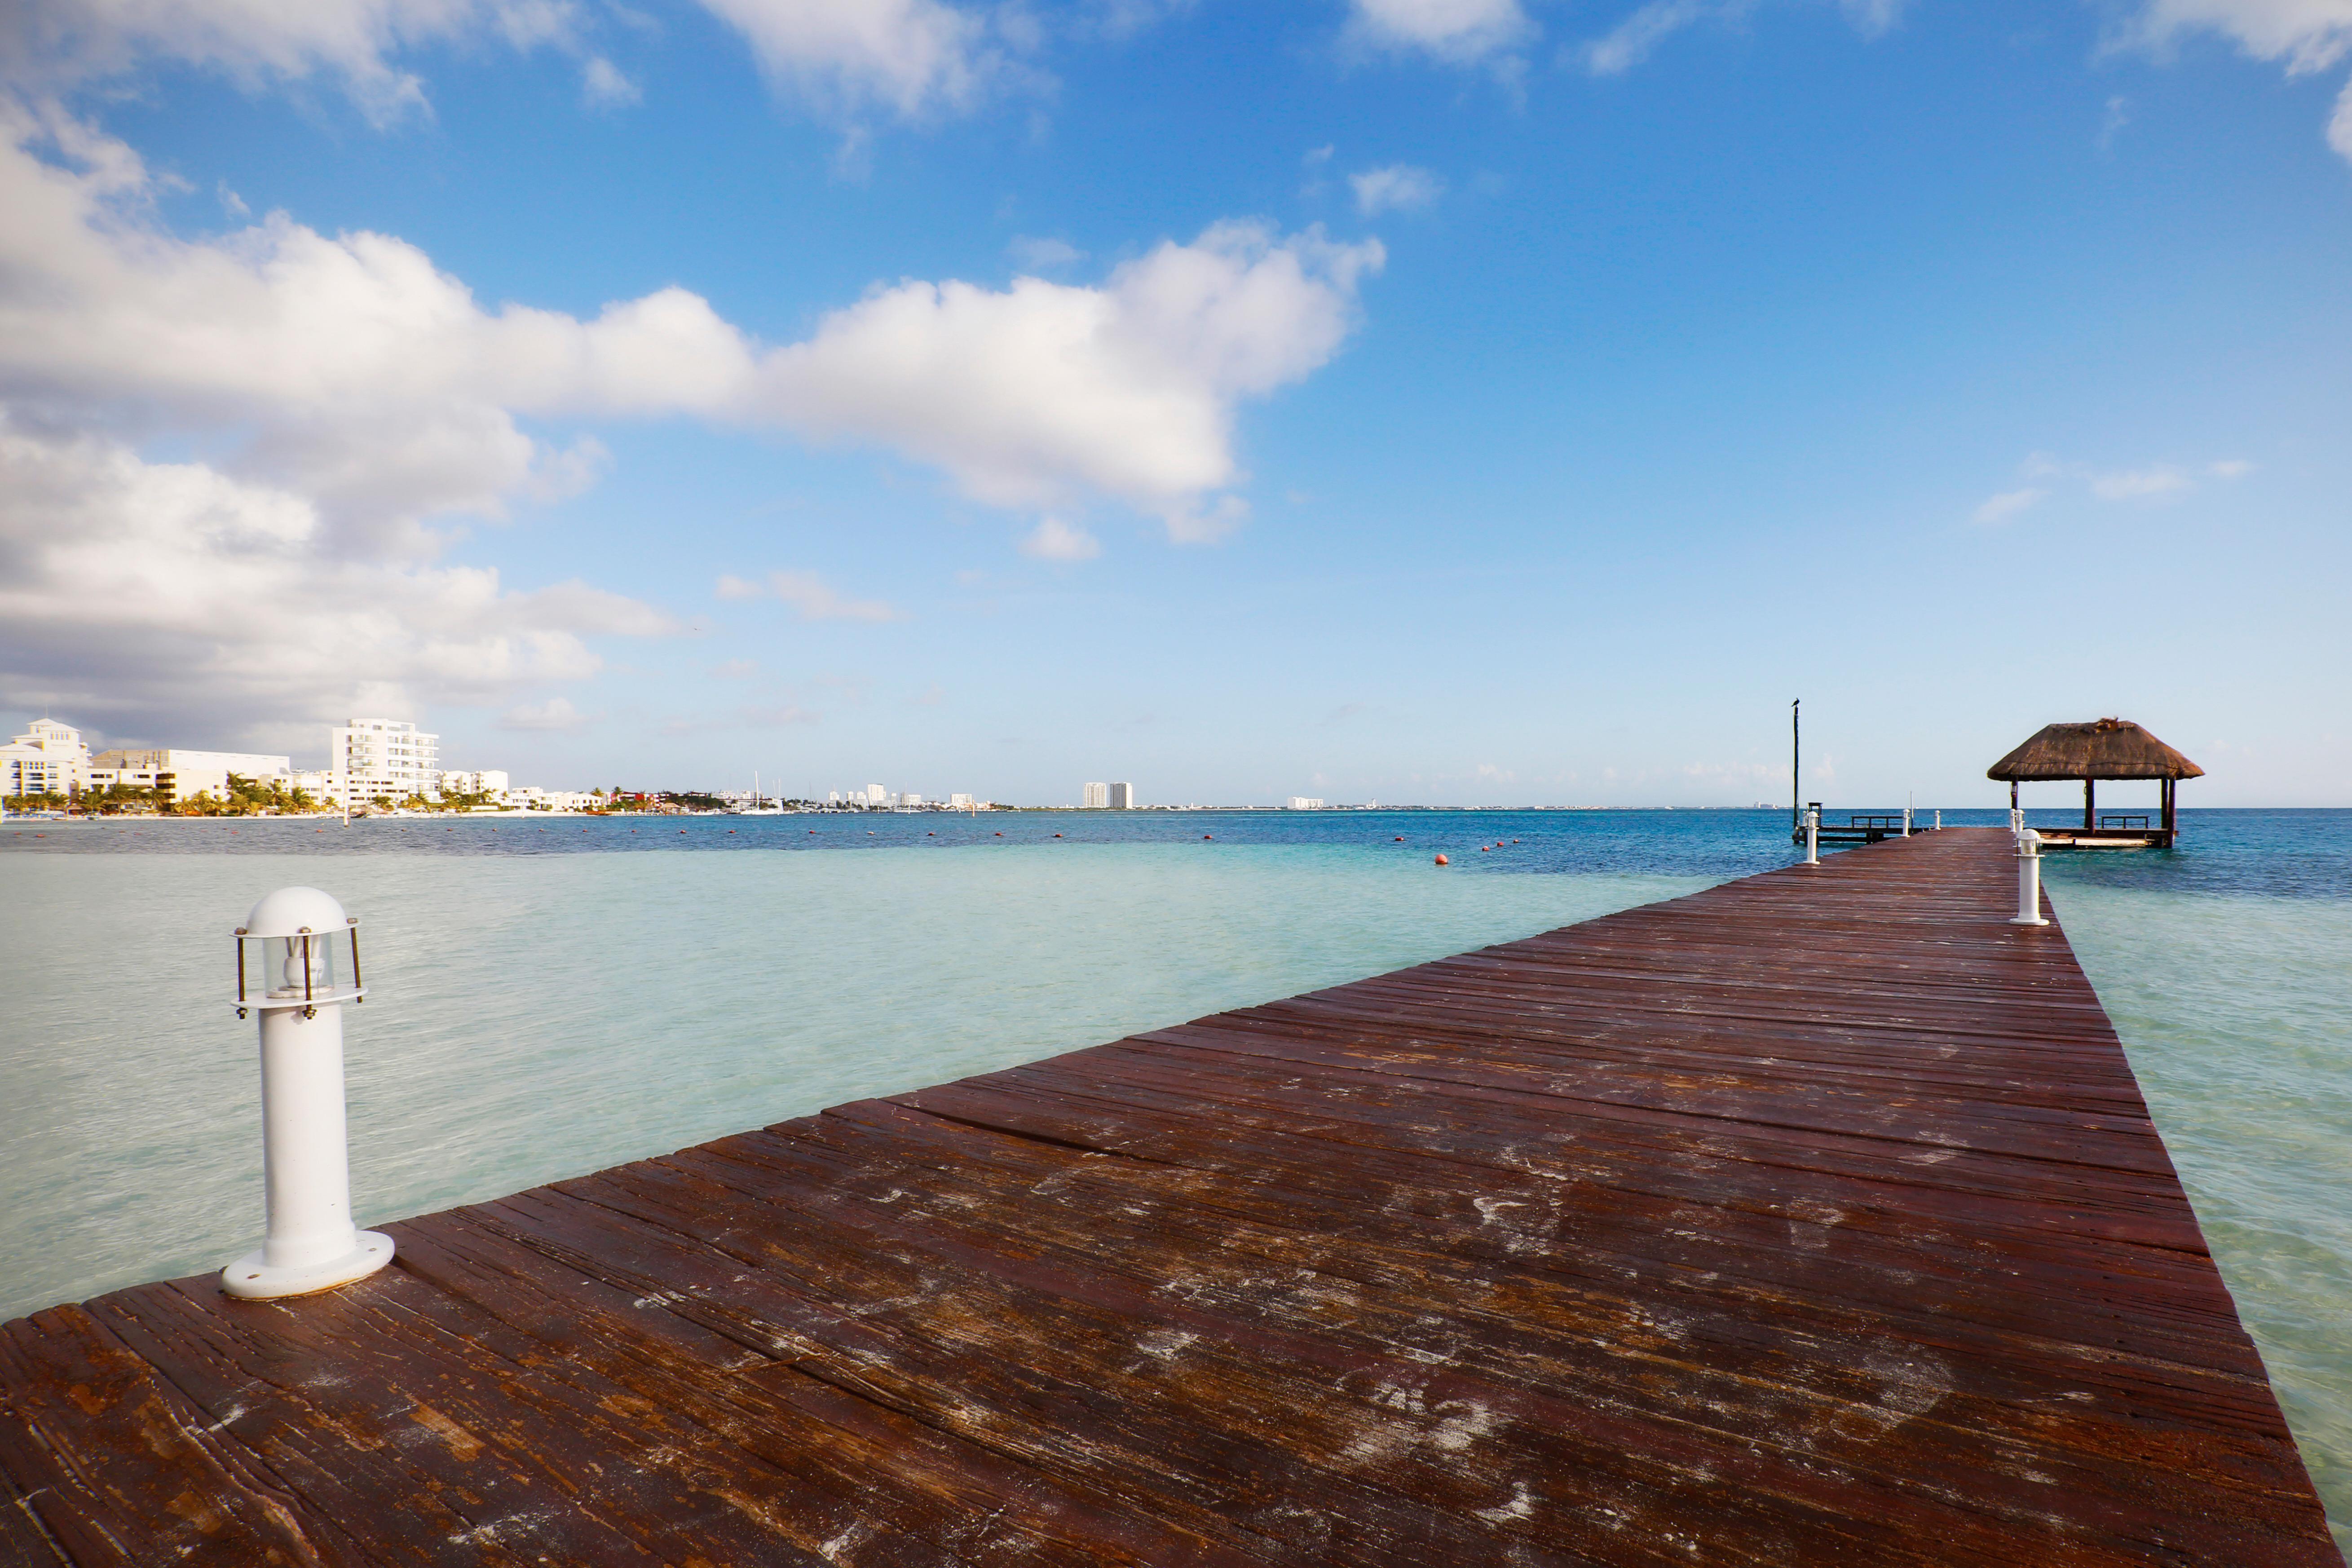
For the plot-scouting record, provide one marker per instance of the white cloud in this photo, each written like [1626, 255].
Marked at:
[2140, 484]
[2111, 123]
[50, 43]
[1400, 188]
[348, 369]
[1460, 31]
[1053, 540]
[738, 588]
[912, 56]
[2156, 482]
[2306, 36]
[352, 370]
[2008, 504]
[602, 86]
[1038, 393]
[556, 715]
[341, 395]
[1033, 254]
[1629, 42]
[816, 601]
[1632, 41]
[171, 596]
[843, 58]
[1872, 18]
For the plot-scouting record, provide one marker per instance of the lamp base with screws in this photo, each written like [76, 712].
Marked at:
[255, 1281]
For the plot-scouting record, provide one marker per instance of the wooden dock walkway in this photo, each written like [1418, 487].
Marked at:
[1812, 1219]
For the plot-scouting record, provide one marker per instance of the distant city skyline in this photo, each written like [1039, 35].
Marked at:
[1374, 399]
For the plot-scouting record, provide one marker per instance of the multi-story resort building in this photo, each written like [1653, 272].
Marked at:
[481, 781]
[367, 759]
[1097, 796]
[49, 758]
[388, 757]
[1122, 797]
[177, 775]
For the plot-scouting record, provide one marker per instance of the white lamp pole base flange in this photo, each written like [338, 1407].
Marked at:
[256, 1281]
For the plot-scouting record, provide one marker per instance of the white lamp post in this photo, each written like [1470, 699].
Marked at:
[305, 942]
[2028, 880]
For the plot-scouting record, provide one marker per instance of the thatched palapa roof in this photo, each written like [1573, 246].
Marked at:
[2109, 749]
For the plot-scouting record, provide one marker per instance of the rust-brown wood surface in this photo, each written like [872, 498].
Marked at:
[1812, 1219]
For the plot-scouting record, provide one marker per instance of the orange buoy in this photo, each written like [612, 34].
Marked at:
[1208, 836]
[1400, 838]
[1444, 861]
[927, 835]
[1057, 836]
[1000, 835]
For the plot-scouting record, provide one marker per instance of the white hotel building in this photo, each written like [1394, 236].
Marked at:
[385, 757]
[49, 758]
[177, 775]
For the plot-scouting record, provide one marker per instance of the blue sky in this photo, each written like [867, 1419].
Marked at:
[1446, 401]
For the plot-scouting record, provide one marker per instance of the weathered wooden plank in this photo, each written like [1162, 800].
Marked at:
[114, 1464]
[1815, 1218]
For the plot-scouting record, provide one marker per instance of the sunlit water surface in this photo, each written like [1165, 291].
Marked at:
[548, 999]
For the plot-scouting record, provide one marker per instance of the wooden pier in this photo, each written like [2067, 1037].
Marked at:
[1813, 1219]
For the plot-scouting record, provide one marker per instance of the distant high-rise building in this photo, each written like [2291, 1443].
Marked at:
[1122, 797]
[1305, 803]
[1098, 796]
[958, 800]
[877, 795]
[385, 757]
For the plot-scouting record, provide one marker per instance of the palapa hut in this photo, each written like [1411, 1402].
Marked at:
[2108, 749]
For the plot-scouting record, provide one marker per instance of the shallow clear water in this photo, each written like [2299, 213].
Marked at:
[548, 999]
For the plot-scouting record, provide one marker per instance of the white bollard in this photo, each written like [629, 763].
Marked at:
[309, 1242]
[2028, 880]
[1814, 837]
[1940, 819]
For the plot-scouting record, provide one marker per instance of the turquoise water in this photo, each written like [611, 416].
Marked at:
[546, 1003]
